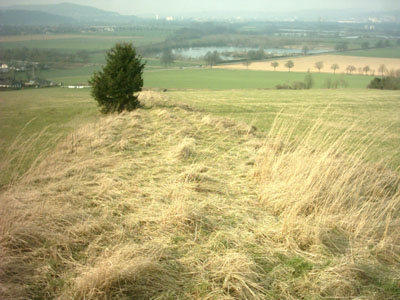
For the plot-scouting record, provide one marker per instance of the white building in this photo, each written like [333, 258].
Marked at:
[4, 68]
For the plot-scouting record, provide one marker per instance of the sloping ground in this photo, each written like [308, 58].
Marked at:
[307, 64]
[170, 203]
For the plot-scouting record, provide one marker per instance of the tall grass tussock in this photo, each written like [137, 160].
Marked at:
[333, 207]
[169, 203]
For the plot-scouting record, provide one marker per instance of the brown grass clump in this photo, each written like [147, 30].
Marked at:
[123, 273]
[186, 148]
[111, 214]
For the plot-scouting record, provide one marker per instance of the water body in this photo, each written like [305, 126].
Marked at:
[201, 51]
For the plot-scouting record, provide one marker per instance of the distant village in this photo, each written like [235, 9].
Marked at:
[10, 79]
[10, 76]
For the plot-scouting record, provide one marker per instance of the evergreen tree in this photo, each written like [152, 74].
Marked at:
[114, 87]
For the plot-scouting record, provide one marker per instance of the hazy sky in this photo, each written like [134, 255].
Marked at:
[182, 6]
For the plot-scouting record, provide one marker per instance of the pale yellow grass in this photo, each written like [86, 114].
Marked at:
[307, 63]
[169, 203]
[45, 37]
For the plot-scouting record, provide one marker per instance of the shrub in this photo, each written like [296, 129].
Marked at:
[297, 85]
[308, 81]
[115, 85]
[376, 83]
[385, 83]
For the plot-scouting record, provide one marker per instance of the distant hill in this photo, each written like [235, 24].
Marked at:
[333, 15]
[62, 13]
[26, 17]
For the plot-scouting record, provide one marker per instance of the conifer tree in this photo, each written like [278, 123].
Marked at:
[114, 87]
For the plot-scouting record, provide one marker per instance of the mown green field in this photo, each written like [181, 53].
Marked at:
[392, 52]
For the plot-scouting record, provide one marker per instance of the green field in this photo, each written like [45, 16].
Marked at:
[79, 75]
[392, 52]
[59, 108]
[181, 76]
[90, 42]
[239, 79]
[55, 111]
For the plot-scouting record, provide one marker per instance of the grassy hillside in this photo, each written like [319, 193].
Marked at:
[37, 119]
[25, 114]
[170, 203]
[375, 113]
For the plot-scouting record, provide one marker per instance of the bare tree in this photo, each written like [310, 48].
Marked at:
[382, 69]
[319, 65]
[289, 64]
[167, 57]
[247, 63]
[212, 58]
[335, 67]
[350, 69]
[366, 69]
[274, 64]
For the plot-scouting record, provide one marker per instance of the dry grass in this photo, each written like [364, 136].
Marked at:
[307, 63]
[166, 203]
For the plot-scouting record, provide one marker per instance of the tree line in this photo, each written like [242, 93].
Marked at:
[350, 69]
[42, 55]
